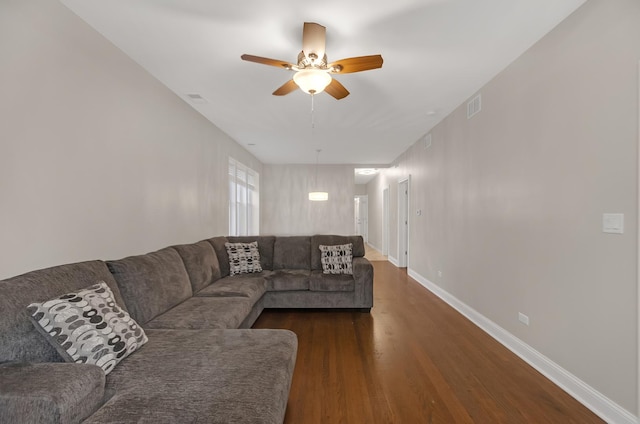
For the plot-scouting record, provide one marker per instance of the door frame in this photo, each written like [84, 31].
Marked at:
[638, 248]
[404, 200]
[365, 236]
[385, 220]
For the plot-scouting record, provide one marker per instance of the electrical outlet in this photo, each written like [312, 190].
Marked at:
[523, 318]
[440, 274]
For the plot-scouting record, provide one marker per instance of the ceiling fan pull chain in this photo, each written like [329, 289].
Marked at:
[313, 122]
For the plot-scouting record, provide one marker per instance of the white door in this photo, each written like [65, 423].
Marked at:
[403, 223]
[361, 209]
[385, 221]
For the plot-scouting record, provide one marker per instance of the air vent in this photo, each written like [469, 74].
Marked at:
[474, 106]
[197, 98]
[427, 141]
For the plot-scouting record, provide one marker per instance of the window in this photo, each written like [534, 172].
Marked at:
[244, 200]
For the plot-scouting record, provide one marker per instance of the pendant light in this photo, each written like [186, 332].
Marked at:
[318, 196]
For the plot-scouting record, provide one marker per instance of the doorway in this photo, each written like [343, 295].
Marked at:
[361, 216]
[403, 223]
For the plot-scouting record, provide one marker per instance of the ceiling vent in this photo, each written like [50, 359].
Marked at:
[427, 141]
[474, 106]
[197, 98]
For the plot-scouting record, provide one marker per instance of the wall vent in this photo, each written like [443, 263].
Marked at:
[474, 106]
[427, 141]
[197, 98]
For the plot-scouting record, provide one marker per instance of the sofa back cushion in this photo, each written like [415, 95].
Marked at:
[201, 263]
[19, 340]
[265, 247]
[292, 252]
[151, 284]
[331, 240]
[218, 244]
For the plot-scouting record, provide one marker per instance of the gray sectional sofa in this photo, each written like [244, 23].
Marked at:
[202, 362]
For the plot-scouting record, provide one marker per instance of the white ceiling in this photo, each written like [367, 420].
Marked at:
[437, 53]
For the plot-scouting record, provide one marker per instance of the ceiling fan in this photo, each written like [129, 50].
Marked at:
[312, 72]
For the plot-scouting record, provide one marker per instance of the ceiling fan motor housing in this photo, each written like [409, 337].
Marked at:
[312, 61]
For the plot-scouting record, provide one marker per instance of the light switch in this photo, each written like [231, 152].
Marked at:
[613, 223]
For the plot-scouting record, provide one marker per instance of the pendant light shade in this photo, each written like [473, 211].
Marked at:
[318, 196]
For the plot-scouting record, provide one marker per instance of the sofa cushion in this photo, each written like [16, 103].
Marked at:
[244, 258]
[19, 339]
[337, 259]
[252, 286]
[204, 312]
[292, 252]
[318, 281]
[221, 252]
[201, 263]
[213, 376]
[331, 240]
[49, 392]
[87, 326]
[265, 246]
[288, 279]
[151, 284]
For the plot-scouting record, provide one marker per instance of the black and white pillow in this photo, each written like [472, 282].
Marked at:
[244, 258]
[88, 327]
[337, 259]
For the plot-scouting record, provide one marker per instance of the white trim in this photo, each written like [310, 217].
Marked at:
[386, 222]
[601, 405]
[374, 247]
[365, 236]
[638, 253]
[404, 263]
[393, 260]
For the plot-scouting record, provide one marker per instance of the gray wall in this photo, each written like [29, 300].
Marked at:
[360, 189]
[285, 207]
[97, 158]
[512, 200]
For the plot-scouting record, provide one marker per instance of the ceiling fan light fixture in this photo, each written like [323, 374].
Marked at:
[312, 81]
[366, 171]
[312, 68]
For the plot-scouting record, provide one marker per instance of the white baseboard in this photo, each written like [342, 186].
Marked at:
[601, 405]
[376, 248]
[393, 260]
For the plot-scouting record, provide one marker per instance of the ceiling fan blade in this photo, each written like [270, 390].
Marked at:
[267, 61]
[286, 88]
[336, 90]
[313, 40]
[356, 64]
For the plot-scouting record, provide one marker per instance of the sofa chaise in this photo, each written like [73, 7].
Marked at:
[200, 361]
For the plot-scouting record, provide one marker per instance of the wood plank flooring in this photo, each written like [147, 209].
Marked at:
[414, 359]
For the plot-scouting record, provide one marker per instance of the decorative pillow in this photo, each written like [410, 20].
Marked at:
[337, 259]
[244, 258]
[88, 327]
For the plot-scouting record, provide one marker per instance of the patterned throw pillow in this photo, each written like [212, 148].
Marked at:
[244, 258]
[337, 259]
[88, 327]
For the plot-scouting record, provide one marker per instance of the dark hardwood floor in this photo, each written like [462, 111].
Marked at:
[414, 359]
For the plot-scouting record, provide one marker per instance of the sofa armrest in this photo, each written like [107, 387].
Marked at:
[49, 392]
[363, 276]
